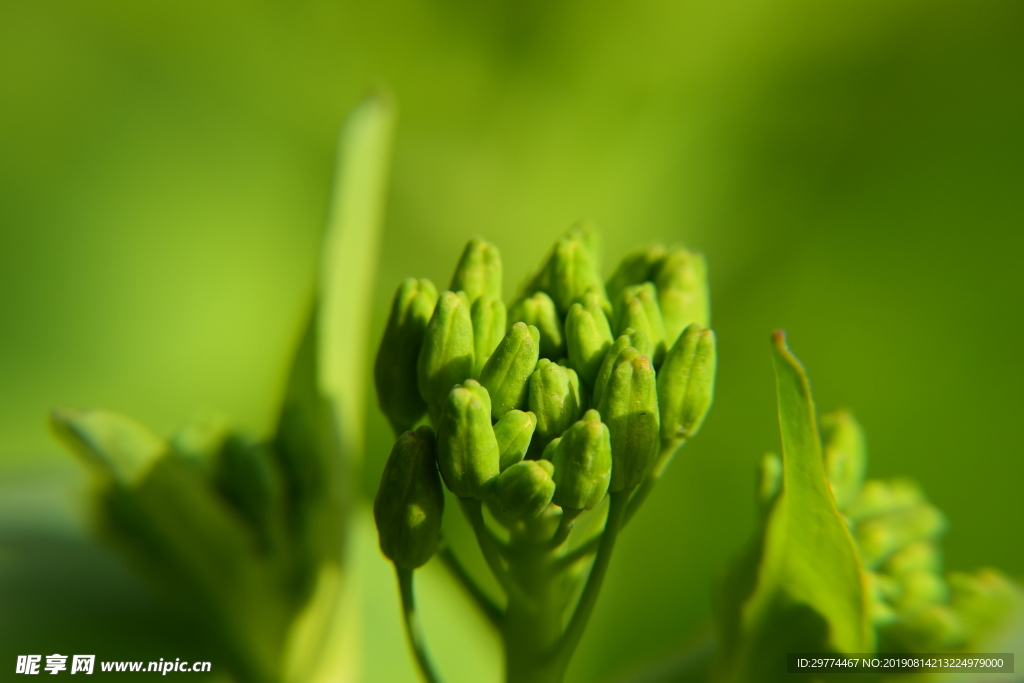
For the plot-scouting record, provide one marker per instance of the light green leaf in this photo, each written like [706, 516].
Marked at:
[112, 444]
[348, 264]
[808, 590]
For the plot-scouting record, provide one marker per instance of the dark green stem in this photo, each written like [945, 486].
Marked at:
[483, 601]
[412, 625]
[668, 451]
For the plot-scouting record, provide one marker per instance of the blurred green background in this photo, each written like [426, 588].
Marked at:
[854, 172]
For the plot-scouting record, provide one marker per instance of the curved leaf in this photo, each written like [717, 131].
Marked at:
[808, 591]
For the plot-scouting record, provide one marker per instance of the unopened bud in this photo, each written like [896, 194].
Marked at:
[467, 450]
[587, 336]
[554, 399]
[635, 268]
[918, 556]
[638, 309]
[919, 588]
[682, 281]
[489, 326]
[410, 501]
[583, 463]
[629, 406]
[845, 455]
[616, 353]
[569, 270]
[478, 272]
[983, 599]
[686, 383]
[394, 371]
[881, 536]
[446, 357]
[539, 310]
[525, 489]
[934, 628]
[506, 374]
[514, 432]
[878, 497]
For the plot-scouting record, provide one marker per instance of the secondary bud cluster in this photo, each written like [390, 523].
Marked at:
[570, 392]
[896, 529]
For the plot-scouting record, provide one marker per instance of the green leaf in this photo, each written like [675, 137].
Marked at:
[114, 445]
[808, 590]
[348, 264]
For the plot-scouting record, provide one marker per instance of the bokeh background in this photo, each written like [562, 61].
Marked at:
[853, 170]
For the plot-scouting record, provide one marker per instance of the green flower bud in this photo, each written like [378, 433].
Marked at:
[478, 272]
[635, 268]
[629, 406]
[246, 475]
[921, 588]
[845, 455]
[525, 489]
[506, 374]
[638, 309]
[446, 357]
[394, 371]
[682, 281]
[931, 629]
[539, 310]
[514, 432]
[202, 438]
[879, 497]
[879, 537]
[982, 599]
[410, 501]
[918, 556]
[588, 337]
[554, 399]
[467, 450]
[686, 383]
[583, 463]
[488, 328]
[614, 356]
[569, 270]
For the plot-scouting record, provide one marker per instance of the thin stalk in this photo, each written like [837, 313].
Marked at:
[575, 555]
[489, 545]
[487, 607]
[412, 625]
[585, 607]
[668, 451]
[564, 526]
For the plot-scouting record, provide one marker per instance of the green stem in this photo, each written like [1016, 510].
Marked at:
[588, 599]
[668, 451]
[533, 620]
[569, 515]
[483, 601]
[412, 625]
[489, 545]
[575, 555]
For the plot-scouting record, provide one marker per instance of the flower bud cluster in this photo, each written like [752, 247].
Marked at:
[897, 531]
[569, 393]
